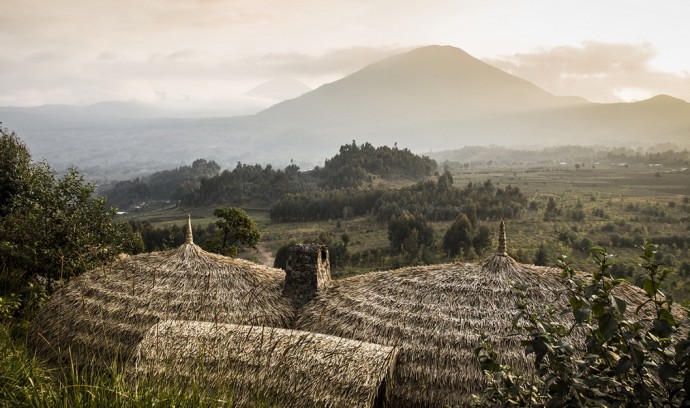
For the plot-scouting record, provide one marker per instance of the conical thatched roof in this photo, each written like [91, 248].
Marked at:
[434, 314]
[106, 312]
[283, 368]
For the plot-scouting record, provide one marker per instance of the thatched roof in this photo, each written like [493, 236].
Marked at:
[434, 314]
[107, 311]
[283, 368]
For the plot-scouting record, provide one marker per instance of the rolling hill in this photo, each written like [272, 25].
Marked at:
[428, 99]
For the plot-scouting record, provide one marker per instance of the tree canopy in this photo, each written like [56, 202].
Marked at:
[51, 227]
[236, 230]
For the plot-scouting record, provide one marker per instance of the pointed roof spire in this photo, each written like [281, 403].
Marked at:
[189, 239]
[502, 241]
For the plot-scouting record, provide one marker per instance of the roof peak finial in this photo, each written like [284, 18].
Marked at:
[502, 241]
[189, 239]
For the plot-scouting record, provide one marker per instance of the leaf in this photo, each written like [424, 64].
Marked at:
[667, 371]
[666, 316]
[661, 328]
[637, 355]
[580, 315]
[608, 324]
[620, 304]
[623, 365]
[540, 349]
[650, 287]
[591, 289]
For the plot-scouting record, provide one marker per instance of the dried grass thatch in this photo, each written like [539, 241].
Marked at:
[283, 368]
[106, 312]
[434, 314]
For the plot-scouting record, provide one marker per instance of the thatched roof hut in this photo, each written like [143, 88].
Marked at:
[434, 314]
[106, 312]
[282, 368]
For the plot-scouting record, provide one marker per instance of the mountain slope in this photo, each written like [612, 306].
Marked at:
[279, 89]
[429, 83]
[432, 98]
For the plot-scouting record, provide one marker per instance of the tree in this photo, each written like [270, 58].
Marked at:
[237, 229]
[51, 228]
[625, 359]
[482, 239]
[459, 236]
[407, 232]
[15, 170]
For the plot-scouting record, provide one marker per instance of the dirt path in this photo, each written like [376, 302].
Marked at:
[264, 254]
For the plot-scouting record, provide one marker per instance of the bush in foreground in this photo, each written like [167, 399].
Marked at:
[640, 362]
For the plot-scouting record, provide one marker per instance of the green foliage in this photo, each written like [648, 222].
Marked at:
[159, 238]
[236, 229]
[548, 252]
[9, 305]
[325, 205]
[434, 200]
[15, 170]
[630, 358]
[181, 183]
[463, 238]
[409, 234]
[28, 382]
[459, 236]
[250, 183]
[202, 183]
[353, 164]
[552, 210]
[51, 228]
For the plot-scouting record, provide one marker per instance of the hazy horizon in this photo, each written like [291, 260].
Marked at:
[205, 55]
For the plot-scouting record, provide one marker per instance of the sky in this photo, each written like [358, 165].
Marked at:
[206, 54]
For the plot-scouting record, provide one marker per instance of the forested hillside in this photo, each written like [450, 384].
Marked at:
[436, 200]
[355, 166]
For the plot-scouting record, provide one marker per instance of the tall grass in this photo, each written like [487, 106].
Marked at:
[26, 381]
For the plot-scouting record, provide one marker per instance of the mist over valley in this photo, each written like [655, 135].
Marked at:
[430, 99]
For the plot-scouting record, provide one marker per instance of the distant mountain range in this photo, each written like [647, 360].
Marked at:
[429, 99]
[279, 89]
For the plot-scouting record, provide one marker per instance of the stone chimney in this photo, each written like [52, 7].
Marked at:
[307, 271]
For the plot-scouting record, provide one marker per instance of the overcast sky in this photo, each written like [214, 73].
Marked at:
[208, 53]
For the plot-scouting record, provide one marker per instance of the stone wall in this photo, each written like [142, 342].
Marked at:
[307, 271]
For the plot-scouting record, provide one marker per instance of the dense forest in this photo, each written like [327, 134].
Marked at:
[202, 183]
[436, 200]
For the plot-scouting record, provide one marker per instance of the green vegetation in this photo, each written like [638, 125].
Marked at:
[354, 165]
[203, 183]
[177, 184]
[552, 209]
[365, 204]
[26, 381]
[51, 228]
[435, 200]
[236, 230]
[625, 359]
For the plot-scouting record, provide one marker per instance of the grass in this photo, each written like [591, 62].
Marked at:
[26, 381]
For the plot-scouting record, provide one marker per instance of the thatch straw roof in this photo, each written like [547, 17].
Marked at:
[283, 368]
[106, 312]
[434, 314]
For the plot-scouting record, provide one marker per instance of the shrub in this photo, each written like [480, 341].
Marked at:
[644, 361]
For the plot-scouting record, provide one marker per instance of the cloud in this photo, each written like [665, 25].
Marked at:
[341, 62]
[600, 72]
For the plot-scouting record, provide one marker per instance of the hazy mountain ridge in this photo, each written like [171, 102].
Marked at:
[279, 89]
[428, 99]
[430, 83]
